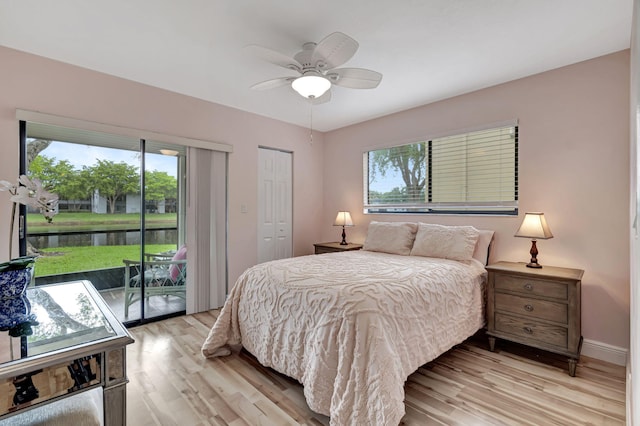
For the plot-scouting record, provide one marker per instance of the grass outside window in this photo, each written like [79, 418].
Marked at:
[60, 260]
[77, 259]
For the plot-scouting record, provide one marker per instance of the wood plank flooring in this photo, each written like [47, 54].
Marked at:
[172, 384]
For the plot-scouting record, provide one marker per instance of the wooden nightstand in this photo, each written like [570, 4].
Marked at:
[536, 307]
[334, 247]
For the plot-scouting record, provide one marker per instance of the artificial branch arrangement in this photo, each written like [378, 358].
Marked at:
[29, 192]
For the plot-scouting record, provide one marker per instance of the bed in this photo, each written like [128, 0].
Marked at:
[352, 326]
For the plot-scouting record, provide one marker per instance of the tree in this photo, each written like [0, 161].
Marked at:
[61, 178]
[35, 147]
[160, 186]
[76, 186]
[42, 168]
[395, 196]
[113, 180]
[54, 176]
[409, 162]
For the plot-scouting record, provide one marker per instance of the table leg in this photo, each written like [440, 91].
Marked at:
[115, 390]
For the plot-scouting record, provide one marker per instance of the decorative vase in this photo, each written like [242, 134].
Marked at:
[15, 275]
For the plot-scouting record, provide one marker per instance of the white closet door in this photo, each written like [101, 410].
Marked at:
[274, 204]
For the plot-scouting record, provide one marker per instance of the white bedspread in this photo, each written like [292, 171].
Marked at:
[352, 326]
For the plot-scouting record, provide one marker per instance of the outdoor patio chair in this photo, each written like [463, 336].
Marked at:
[163, 276]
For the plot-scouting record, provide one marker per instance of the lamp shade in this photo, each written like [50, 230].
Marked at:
[311, 85]
[534, 226]
[343, 219]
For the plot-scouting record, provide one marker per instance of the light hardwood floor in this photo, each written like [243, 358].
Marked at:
[171, 384]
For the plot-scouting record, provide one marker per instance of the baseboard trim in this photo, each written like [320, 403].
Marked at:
[604, 352]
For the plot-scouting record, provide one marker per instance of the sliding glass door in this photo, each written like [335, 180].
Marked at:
[165, 251]
[121, 218]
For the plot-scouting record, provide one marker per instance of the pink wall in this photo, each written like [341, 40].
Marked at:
[573, 164]
[38, 84]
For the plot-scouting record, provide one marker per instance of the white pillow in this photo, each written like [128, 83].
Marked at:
[390, 237]
[446, 242]
[481, 252]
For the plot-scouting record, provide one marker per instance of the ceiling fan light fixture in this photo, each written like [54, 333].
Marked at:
[311, 86]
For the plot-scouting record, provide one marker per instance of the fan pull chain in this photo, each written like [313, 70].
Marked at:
[310, 124]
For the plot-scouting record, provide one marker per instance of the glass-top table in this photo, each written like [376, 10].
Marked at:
[75, 343]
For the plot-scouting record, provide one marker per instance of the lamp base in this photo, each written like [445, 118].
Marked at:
[533, 263]
[344, 238]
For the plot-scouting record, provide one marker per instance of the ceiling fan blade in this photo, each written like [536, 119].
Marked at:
[355, 78]
[326, 97]
[273, 83]
[334, 50]
[273, 57]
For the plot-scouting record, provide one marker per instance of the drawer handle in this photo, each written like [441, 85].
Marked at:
[528, 330]
[528, 286]
[528, 308]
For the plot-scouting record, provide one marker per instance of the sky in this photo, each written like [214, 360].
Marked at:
[86, 155]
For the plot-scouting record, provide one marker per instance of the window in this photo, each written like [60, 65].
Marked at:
[475, 172]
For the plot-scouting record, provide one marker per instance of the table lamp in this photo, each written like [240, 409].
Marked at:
[343, 219]
[534, 226]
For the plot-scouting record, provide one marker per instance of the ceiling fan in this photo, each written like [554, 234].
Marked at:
[317, 64]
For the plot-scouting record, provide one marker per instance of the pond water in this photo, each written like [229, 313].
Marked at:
[111, 238]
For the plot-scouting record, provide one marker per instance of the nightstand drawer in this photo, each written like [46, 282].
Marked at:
[532, 330]
[532, 286]
[532, 308]
[320, 250]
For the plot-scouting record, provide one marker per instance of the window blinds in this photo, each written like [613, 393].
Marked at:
[206, 229]
[474, 169]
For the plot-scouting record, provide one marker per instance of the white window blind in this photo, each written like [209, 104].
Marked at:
[206, 229]
[473, 172]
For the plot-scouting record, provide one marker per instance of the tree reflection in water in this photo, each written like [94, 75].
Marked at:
[60, 323]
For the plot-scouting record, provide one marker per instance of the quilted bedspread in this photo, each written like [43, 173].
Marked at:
[352, 326]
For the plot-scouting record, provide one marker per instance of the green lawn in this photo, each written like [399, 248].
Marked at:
[74, 259]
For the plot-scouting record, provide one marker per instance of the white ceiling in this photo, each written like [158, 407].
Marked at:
[427, 50]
